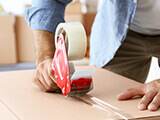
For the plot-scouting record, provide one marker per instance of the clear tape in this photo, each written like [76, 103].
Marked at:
[75, 39]
[106, 108]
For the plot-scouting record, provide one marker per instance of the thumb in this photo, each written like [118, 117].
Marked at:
[129, 93]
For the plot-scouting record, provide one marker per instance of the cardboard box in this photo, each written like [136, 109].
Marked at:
[74, 8]
[88, 20]
[74, 18]
[92, 6]
[88, 46]
[7, 40]
[28, 102]
[25, 42]
[5, 113]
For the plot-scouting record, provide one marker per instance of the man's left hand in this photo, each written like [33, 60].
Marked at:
[150, 93]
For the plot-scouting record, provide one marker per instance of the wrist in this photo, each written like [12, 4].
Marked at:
[44, 42]
[41, 59]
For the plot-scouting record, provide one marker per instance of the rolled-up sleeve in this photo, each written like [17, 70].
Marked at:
[46, 14]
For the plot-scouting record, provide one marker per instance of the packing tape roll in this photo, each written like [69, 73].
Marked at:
[75, 39]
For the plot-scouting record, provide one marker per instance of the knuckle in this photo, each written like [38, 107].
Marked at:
[49, 60]
[50, 72]
[129, 90]
[36, 74]
[41, 66]
[35, 80]
[45, 90]
[48, 88]
[148, 95]
[156, 83]
[51, 84]
[155, 87]
[158, 95]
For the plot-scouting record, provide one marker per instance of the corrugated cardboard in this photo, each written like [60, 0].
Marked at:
[29, 103]
[5, 113]
[25, 42]
[7, 40]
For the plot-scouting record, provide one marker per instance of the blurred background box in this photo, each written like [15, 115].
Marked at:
[74, 18]
[7, 40]
[88, 20]
[74, 8]
[82, 11]
[25, 42]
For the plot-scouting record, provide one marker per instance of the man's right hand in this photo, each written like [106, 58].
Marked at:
[45, 48]
[44, 76]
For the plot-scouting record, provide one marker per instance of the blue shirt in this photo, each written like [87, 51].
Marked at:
[109, 29]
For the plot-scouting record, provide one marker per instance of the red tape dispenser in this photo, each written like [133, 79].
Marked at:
[71, 43]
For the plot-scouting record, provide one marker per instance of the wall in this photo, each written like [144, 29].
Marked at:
[14, 6]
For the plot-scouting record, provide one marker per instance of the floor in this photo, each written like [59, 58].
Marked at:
[18, 66]
[154, 72]
[25, 66]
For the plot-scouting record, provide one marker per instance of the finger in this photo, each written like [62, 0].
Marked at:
[50, 82]
[154, 105]
[131, 93]
[38, 82]
[43, 81]
[50, 72]
[147, 98]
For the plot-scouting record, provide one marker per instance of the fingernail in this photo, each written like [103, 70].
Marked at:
[119, 95]
[142, 106]
[152, 107]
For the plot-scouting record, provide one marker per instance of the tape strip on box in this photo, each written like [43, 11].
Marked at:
[106, 108]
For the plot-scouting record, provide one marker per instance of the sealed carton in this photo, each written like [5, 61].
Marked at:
[88, 20]
[24, 39]
[5, 113]
[74, 8]
[28, 102]
[7, 40]
[74, 18]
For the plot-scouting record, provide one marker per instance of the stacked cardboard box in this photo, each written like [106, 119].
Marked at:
[88, 21]
[74, 13]
[16, 40]
[7, 40]
[27, 102]
[25, 42]
[17, 45]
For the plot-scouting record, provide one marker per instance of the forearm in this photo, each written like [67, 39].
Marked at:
[44, 44]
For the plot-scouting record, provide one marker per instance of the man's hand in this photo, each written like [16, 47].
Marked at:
[44, 77]
[150, 92]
